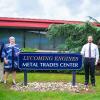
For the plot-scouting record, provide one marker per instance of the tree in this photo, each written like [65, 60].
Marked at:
[73, 36]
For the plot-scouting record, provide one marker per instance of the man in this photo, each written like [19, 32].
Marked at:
[91, 56]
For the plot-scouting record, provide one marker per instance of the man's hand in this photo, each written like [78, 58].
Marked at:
[96, 63]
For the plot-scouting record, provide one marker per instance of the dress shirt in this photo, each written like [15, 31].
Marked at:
[94, 51]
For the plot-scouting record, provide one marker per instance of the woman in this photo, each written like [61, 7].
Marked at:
[10, 54]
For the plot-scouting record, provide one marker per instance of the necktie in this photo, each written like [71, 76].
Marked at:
[90, 50]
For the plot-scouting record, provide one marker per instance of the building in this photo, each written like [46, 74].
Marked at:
[30, 33]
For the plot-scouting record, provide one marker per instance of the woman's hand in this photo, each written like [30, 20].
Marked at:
[17, 53]
[5, 61]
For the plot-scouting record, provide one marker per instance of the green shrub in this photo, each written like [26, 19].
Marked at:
[28, 50]
[74, 36]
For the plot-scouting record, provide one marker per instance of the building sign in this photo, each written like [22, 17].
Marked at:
[50, 61]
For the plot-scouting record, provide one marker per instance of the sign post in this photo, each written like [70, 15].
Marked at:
[50, 61]
[25, 77]
[73, 78]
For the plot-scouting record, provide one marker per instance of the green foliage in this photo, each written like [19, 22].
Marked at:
[28, 50]
[74, 36]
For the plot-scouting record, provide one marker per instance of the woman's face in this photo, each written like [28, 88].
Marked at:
[12, 41]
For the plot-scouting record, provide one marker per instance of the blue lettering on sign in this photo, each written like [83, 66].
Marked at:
[50, 61]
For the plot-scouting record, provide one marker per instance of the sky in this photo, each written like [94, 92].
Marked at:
[77, 10]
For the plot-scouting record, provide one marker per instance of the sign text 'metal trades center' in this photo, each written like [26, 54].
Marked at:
[50, 61]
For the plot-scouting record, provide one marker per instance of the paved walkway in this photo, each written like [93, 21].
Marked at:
[1, 70]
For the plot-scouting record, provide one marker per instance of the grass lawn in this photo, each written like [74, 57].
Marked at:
[7, 94]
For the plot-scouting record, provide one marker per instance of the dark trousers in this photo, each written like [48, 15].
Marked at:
[89, 66]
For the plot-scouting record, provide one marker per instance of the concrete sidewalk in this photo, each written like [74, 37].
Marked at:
[1, 70]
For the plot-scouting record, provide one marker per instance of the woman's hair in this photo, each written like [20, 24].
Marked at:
[12, 38]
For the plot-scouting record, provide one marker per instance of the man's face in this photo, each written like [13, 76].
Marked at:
[90, 39]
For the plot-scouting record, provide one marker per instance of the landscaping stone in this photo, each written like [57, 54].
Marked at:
[48, 86]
